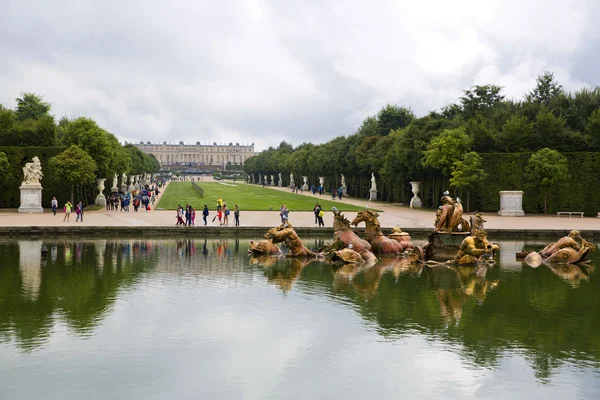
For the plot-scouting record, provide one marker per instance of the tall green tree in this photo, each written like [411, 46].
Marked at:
[392, 117]
[4, 166]
[546, 169]
[546, 89]
[468, 173]
[31, 106]
[73, 166]
[480, 99]
[444, 150]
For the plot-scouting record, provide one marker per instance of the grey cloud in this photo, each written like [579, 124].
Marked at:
[251, 71]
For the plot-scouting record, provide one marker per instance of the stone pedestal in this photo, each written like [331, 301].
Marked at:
[372, 194]
[344, 190]
[100, 199]
[511, 203]
[416, 202]
[31, 198]
[124, 188]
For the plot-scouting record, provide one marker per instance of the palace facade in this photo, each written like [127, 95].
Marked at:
[198, 154]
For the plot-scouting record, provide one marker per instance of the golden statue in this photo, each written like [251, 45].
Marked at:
[474, 247]
[449, 216]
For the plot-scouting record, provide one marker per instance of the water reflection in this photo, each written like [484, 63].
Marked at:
[549, 313]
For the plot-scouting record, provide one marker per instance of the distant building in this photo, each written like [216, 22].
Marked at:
[198, 154]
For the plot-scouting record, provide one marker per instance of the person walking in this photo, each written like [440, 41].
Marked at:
[68, 208]
[188, 215]
[320, 215]
[54, 205]
[220, 216]
[193, 215]
[236, 215]
[79, 212]
[205, 213]
[316, 210]
[226, 215]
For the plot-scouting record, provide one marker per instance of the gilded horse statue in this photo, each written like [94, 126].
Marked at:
[285, 233]
[380, 244]
[346, 243]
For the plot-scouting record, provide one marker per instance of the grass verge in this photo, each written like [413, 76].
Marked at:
[248, 197]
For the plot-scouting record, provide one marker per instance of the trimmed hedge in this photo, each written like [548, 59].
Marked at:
[507, 172]
[198, 189]
[10, 196]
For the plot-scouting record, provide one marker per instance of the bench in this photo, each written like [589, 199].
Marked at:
[569, 213]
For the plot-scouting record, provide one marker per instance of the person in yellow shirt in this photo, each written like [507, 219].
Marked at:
[219, 204]
[68, 208]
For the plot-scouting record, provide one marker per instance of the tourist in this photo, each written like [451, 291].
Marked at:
[54, 205]
[79, 212]
[205, 213]
[340, 192]
[236, 215]
[225, 215]
[188, 215]
[192, 214]
[68, 207]
[333, 193]
[316, 210]
[320, 216]
[180, 215]
[220, 216]
[219, 204]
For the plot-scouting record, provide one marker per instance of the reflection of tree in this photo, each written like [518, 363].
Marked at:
[79, 290]
[488, 316]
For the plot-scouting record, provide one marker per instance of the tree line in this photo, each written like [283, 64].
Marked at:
[88, 150]
[444, 148]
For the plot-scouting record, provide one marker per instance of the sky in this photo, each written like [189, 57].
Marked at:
[254, 71]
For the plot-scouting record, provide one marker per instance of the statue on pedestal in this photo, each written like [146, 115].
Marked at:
[292, 183]
[32, 172]
[280, 181]
[373, 183]
[115, 186]
[343, 181]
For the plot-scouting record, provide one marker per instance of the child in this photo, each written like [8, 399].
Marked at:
[220, 215]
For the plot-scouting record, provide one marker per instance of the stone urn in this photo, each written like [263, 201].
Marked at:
[322, 181]
[100, 199]
[304, 184]
[416, 202]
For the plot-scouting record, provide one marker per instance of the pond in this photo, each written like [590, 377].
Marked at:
[198, 319]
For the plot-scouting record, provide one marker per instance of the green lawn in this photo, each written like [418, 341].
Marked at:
[248, 197]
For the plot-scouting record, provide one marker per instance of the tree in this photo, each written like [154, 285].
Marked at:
[74, 166]
[31, 106]
[546, 89]
[4, 166]
[393, 117]
[516, 135]
[545, 169]
[444, 150]
[468, 173]
[480, 98]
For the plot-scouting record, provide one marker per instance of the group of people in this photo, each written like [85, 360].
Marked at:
[186, 216]
[68, 209]
[223, 213]
[188, 213]
[144, 197]
[319, 213]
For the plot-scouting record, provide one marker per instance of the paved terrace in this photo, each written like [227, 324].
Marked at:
[392, 215]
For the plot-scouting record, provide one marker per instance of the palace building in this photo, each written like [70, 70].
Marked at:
[198, 154]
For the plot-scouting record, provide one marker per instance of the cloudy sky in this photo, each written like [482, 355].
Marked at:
[302, 71]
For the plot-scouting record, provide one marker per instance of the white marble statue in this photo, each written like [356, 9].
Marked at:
[123, 179]
[291, 179]
[115, 181]
[32, 172]
[343, 181]
[373, 183]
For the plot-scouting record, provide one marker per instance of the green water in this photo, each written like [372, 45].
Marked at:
[166, 319]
